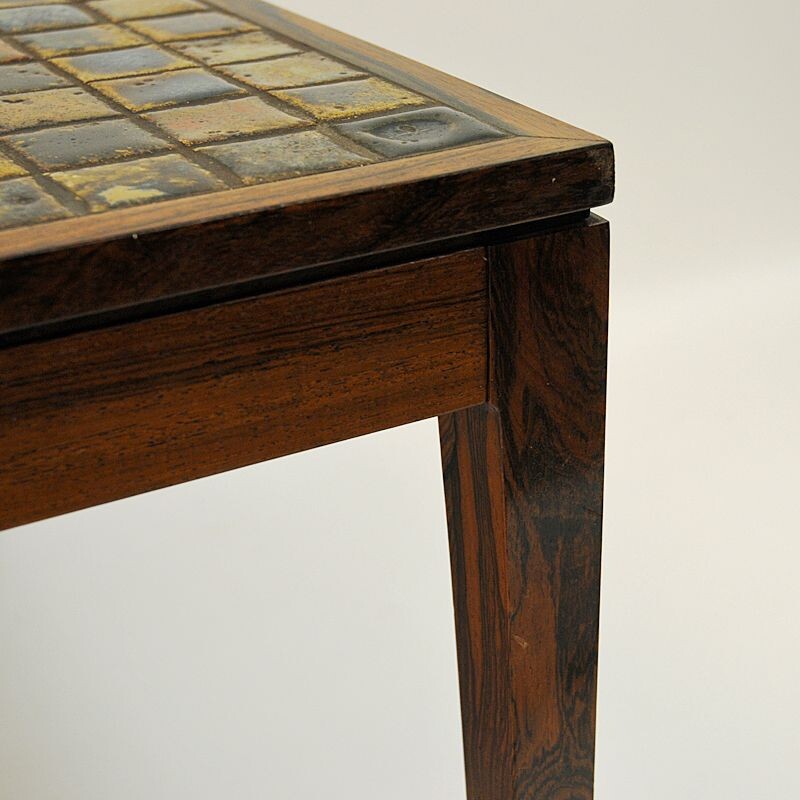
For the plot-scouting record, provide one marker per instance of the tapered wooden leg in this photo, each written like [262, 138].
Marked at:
[524, 487]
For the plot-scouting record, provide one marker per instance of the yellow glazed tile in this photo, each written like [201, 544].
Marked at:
[32, 109]
[191, 26]
[118, 10]
[9, 54]
[8, 169]
[229, 49]
[80, 40]
[298, 70]
[121, 63]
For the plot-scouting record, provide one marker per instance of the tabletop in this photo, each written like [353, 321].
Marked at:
[160, 150]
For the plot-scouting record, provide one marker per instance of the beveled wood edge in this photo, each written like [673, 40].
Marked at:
[169, 214]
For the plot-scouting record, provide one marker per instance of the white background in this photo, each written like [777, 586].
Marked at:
[285, 631]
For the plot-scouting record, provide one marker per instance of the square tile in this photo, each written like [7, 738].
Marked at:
[32, 109]
[134, 182]
[80, 40]
[118, 10]
[14, 3]
[350, 99]
[298, 70]
[86, 143]
[229, 49]
[41, 18]
[8, 169]
[24, 202]
[121, 63]
[222, 120]
[286, 156]
[419, 131]
[16, 78]
[146, 92]
[9, 54]
[191, 26]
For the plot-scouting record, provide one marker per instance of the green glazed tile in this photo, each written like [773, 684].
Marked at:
[229, 49]
[134, 182]
[298, 70]
[146, 92]
[418, 131]
[118, 10]
[15, 78]
[80, 40]
[24, 202]
[41, 18]
[350, 99]
[86, 143]
[222, 120]
[121, 63]
[8, 169]
[9, 54]
[191, 26]
[50, 107]
[287, 156]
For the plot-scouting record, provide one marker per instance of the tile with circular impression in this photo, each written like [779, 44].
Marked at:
[73, 41]
[191, 26]
[121, 63]
[142, 181]
[41, 18]
[297, 70]
[29, 77]
[85, 143]
[231, 49]
[32, 109]
[335, 101]
[9, 54]
[8, 169]
[119, 10]
[24, 202]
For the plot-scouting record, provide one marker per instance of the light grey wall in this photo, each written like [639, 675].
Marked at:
[285, 631]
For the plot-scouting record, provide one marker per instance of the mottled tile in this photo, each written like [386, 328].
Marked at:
[350, 98]
[299, 70]
[191, 26]
[418, 131]
[41, 18]
[230, 49]
[222, 120]
[29, 77]
[14, 3]
[50, 107]
[86, 143]
[80, 40]
[9, 54]
[8, 169]
[134, 182]
[147, 92]
[118, 10]
[286, 156]
[121, 63]
[24, 202]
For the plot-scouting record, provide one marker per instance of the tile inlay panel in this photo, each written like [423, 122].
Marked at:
[113, 103]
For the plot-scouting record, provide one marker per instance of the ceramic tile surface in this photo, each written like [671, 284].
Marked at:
[113, 103]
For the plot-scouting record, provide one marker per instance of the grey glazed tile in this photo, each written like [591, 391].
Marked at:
[80, 40]
[86, 143]
[118, 10]
[419, 131]
[191, 26]
[230, 49]
[287, 156]
[146, 92]
[16, 78]
[31, 109]
[41, 18]
[24, 202]
[296, 70]
[121, 63]
[135, 182]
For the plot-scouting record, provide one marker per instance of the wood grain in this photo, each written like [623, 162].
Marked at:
[524, 485]
[98, 416]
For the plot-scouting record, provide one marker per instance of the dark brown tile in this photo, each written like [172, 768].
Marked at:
[121, 63]
[9, 54]
[32, 109]
[72, 41]
[418, 131]
[230, 49]
[86, 143]
[41, 18]
[119, 10]
[135, 182]
[29, 77]
[191, 26]
[287, 156]
[297, 70]
[24, 202]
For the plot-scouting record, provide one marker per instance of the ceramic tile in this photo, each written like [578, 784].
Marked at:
[135, 182]
[222, 120]
[9, 54]
[86, 143]
[50, 107]
[41, 18]
[15, 78]
[24, 202]
[8, 169]
[418, 131]
[297, 70]
[147, 92]
[350, 99]
[80, 40]
[121, 63]
[15, 3]
[286, 156]
[118, 10]
[191, 26]
[230, 49]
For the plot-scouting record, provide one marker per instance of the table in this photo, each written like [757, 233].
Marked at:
[228, 233]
